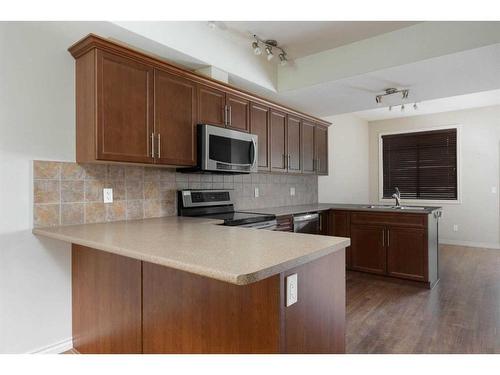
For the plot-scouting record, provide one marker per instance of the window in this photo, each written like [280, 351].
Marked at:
[423, 165]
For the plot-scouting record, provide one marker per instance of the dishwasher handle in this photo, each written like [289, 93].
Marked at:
[306, 217]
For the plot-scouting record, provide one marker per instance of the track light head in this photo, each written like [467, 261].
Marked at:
[283, 59]
[378, 99]
[390, 108]
[256, 48]
[415, 107]
[402, 107]
[269, 52]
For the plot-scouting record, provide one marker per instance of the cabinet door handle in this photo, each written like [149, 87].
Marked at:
[159, 146]
[284, 161]
[288, 162]
[153, 145]
[319, 165]
[320, 222]
[230, 116]
[225, 115]
[314, 165]
[388, 238]
[383, 238]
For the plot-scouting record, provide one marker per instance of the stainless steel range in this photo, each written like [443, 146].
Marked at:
[217, 204]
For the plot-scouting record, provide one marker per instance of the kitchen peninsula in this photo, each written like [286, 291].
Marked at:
[188, 285]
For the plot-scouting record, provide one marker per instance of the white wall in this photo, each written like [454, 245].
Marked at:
[478, 213]
[37, 121]
[347, 181]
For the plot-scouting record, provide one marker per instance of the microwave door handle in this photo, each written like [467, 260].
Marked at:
[252, 152]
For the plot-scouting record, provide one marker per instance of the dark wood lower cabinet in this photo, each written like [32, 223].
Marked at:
[106, 300]
[185, 313]
[339, 225]
[368, 252]
[401, 245]
[406, 253]
[122, 305]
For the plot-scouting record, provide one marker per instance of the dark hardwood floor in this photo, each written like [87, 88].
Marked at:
[460, 315]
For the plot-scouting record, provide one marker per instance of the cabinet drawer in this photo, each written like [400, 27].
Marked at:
[398, 219]
[284, 223]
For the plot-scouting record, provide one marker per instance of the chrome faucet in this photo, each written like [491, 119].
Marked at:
[397, 197]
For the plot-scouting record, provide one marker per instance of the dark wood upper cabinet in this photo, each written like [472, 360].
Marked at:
[259, 125]
[124, 109]
[406, 252]
[175, 119]
[238, 112]
[368, 251]
[308, 163]
[321, 149]
[136, 108]
[293, 144]
[278, 141]
[211, 106]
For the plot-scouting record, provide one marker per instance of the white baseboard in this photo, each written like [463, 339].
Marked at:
[482, 245]
[56, 348]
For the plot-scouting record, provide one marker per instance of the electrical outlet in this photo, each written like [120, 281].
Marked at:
[292, 191]
[256, 192]
[292, 290]
[108, 195]
[455, 227]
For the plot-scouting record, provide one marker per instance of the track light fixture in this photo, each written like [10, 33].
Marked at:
[268, 46]
[391, 91]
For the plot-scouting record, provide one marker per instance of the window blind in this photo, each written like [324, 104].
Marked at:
[423, 165]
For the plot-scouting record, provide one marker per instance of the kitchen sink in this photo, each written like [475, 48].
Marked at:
[395, 207]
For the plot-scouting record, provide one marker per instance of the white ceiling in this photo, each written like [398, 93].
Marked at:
[433, 59]
[302, 38]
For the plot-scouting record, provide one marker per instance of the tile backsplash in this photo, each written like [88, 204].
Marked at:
[69, 193]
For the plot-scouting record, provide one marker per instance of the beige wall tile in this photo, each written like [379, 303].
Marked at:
[116, 172]
[95, 212]
[134, 173]
[46, 215]
[167, 175]
[72, 213]
[152, 208]
[95, 171]
[72, 191]
[116, 211]
[152, 189]
[151, 174]
[46, 191]
[93, 190]
[72, 171]
[167, 209]
[135, 189]
[135, 209]
[46, 169]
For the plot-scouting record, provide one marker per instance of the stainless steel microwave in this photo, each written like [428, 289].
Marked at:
[225, 150]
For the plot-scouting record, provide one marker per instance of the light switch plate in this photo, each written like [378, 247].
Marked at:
[292, 191]
[108, 195]
[292, 289]
[256, 192]
[455, 227]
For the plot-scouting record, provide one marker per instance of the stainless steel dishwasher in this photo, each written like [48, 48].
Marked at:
[306, 223]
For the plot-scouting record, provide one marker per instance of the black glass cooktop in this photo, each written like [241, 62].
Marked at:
[240, 218]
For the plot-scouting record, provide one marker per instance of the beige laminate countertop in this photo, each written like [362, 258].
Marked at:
[315, 207]
[231, 254]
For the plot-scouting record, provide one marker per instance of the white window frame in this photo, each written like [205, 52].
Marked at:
[420, 201]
